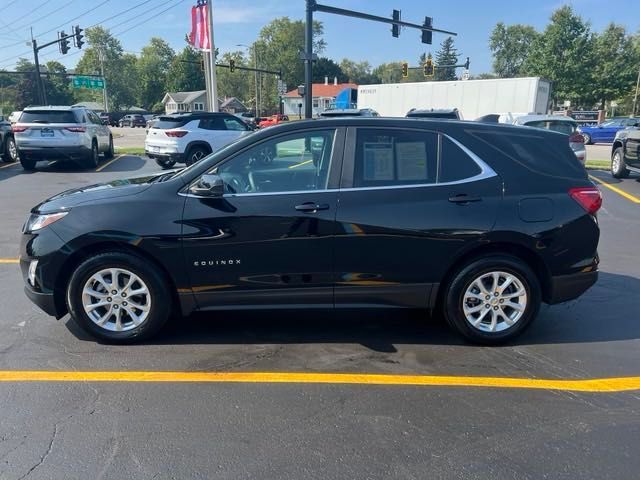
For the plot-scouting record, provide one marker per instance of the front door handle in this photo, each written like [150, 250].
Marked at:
[464, 198]
[311, 207]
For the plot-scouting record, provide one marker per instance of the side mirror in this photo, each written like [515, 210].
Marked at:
[209, 185]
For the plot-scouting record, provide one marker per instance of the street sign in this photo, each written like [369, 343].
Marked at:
[88, 82]
[282, 87]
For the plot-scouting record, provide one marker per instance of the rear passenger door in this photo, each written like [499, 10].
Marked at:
[410, 202]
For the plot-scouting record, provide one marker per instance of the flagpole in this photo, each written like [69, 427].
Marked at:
[212, 61]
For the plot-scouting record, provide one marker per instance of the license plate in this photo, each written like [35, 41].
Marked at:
[154, 149]
[46, 132]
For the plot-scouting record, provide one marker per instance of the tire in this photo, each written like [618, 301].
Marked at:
[463, 292]
[195, 154]
[93, 157]
[618, 167]
[10, 150]
[28, 164]
[109, 153]
[151, 308]
[587, 139]
[164, 163]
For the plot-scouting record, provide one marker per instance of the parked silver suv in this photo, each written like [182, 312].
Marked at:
[61, 133]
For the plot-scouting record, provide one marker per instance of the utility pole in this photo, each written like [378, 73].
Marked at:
[104, 90]
[42, 95]
[308, 59]
[212, 60]
[257, 79]
[635, 97]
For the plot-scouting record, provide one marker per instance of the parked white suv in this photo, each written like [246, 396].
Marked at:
[61, 133]
[189, 137]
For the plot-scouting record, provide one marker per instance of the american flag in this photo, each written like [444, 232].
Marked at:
[199, 36]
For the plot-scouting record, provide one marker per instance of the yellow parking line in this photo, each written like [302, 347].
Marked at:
[9, 260]
[13, 164]
[619, 191]
[102, 167]
[300, 164]
[591, 385]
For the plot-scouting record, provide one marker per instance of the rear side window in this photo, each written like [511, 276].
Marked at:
[455, 164]
[167, 123]
[212, 123]
[395, 157]
[555, 126]
[48, 116]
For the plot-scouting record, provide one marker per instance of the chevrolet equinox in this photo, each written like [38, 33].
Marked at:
[481, 222]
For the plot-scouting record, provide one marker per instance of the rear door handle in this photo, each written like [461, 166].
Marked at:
[312, 207]
[464, 198]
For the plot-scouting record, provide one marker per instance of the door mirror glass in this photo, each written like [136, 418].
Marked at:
[209, 185]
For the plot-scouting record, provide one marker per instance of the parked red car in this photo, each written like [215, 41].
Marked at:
[273, 120]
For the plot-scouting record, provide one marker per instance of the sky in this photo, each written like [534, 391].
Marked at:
[239, 21]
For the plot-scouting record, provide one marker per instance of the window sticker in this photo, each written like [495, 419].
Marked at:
[378, 161]
[411, 160]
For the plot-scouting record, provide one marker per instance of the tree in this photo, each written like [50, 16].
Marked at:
[118, 69]
[447, 55]
[358, 72]
[58, 86]
[325, 67]
[26, 90]
[153, 67]
[510, 46]
[615, 64]
[389, 72]
[185, 73]
[278, 47]
[235, 84]
[564, 54]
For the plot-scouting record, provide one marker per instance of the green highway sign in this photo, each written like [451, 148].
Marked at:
[88, 82]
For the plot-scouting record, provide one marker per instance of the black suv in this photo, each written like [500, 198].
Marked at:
[133, 121]
[625, 152]
[482, 222]
[8, 150]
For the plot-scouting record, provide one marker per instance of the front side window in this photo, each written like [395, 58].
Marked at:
[395, 157]
[233, 124]
[290, 163]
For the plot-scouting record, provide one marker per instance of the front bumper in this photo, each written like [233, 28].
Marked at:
[46, 301]
[78, 152]
[569, 287]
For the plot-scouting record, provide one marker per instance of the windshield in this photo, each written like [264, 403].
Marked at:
[48, 116]
[561, 126]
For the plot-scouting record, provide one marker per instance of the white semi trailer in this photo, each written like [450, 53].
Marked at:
[473, 98]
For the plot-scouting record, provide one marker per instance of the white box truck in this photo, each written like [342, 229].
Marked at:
[473, 98]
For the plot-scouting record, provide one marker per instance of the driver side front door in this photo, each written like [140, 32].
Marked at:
[268, 241]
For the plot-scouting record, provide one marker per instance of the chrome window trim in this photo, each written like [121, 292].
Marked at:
[485, 172]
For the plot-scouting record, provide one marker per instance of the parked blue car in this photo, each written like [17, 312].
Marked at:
[606, 131]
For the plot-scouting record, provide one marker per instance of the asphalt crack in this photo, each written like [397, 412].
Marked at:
[45, 454]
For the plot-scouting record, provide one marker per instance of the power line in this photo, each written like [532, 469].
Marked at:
[152, 17]
[74, 18]
[118, 14]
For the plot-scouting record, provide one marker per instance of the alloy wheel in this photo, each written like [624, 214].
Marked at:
[494, 301]
[116, 299]
[616, 162]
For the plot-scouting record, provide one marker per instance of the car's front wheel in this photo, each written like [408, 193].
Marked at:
[492, 299]
[195, 154]
[618, 167]
[10, 150]
[118, 297]
[110, 151]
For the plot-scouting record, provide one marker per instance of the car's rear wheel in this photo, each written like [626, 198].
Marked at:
[118, 297]
[618, 167]
[10, 150]
[93, 156]
[195, 154]
[109, 153]
[27, 163]
[165, 162]
[587, 139]
[492, 299]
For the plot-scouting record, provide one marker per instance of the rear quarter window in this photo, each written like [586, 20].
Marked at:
[167, 123]
[48, 116]
[455, 164]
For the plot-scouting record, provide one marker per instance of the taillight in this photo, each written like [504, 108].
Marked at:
[76, 129]
[576, 138]
[15, 129]
[589, 198]
[176, 133]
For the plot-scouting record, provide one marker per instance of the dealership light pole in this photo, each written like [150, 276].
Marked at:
[212, 60]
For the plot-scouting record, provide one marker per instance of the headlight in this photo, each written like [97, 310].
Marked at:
[37, 221]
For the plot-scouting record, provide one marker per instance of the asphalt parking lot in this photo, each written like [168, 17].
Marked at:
[318, 394]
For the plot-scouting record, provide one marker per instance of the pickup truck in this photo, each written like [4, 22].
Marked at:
[625, 152]
[273, 120]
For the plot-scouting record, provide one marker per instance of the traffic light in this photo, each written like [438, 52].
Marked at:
[427, 36]
[77, 36]
[429, 68]
[395, 28]
[64, 42]
[405, 69]
[232, 65]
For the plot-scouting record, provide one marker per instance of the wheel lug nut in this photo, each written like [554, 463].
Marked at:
[124, 304]
[496, 294]
[487, 305]
[115, 306]
[495, 308]
[124, 294]
[108, 299]
[502, 300]
[487, 297]
[113, 292]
